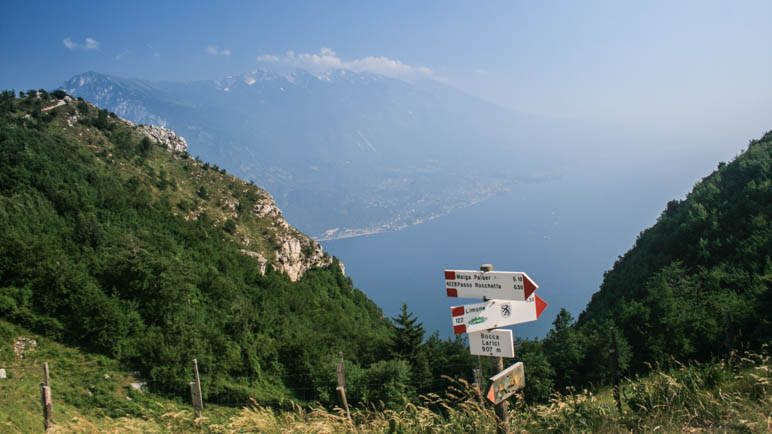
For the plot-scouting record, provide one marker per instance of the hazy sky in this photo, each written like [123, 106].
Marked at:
[672, 65]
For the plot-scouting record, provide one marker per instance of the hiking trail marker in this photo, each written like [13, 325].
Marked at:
[495, 313]
[494, 343]
[506, 383]
[488, 285]
[508, 299]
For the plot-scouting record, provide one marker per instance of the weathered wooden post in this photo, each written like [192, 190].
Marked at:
[478, 382]
[46, 377]
[48, 406]
[341, 377]
[614, 368]
[45, 397]
[497, 366]
[195, 392]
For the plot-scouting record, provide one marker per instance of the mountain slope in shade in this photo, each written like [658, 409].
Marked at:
[700, 278]
[344, 154]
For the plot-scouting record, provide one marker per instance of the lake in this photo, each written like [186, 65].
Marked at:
[564, 233]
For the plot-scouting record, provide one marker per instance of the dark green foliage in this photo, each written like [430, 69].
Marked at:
[82, 106]
[408, 335]
[695, 283]
[229, 226]
[697, 278]
[92, 259]
[59, 94]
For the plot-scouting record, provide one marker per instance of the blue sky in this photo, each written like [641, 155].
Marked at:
[681, 66]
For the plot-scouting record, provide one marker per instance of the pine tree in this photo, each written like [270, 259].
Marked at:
[408, 335]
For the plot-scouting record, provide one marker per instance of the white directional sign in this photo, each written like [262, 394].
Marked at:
[495, 313]
[507, 382]
[503, 285]
[496, 343]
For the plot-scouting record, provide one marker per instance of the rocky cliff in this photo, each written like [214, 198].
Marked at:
[201, 190]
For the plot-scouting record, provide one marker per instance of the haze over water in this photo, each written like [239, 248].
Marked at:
[564, 233]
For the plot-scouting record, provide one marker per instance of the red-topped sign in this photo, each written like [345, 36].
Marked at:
[495, 313]
[502, 285]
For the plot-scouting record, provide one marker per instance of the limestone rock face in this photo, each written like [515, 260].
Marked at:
[294, 252]
[164, 137]
[295, 256]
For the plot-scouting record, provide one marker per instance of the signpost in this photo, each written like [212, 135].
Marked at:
[494, 343]
[495, 313]
[509, 299]
[503, 285]
[506, 382]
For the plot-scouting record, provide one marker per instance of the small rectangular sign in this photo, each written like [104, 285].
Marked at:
[503, 285]
[506, 383]
[496, 343]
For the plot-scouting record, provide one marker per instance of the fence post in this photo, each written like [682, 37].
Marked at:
[614, 368]
[340, 373]
[48, 406]
[46, 378]
[195, 392]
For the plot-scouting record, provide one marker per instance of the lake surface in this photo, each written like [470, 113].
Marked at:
[564, 233]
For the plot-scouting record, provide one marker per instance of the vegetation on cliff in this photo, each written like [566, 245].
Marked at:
[128, 249]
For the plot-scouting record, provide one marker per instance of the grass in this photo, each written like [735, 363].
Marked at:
[91, 393]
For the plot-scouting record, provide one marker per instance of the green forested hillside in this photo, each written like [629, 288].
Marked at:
[123, 248]
[693, 284]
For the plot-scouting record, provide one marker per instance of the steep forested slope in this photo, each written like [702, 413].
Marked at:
[126, 248]
[700, 278]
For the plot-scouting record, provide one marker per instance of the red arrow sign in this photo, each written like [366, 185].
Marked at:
[503, 285]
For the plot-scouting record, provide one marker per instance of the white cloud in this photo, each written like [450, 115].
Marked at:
[88, 44]
[121, 55]
[327, 60]
[214, 50]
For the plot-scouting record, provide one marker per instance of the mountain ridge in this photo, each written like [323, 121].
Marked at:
[346, 154]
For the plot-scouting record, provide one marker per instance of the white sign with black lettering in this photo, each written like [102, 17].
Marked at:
[496, 343]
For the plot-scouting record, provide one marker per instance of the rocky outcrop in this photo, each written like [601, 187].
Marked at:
[295, 256]
[296, 253]
[23, 345]
[165, 137]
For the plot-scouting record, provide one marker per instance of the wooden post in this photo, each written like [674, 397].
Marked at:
[614, 368]
[729, 333]
[340, 373]
[46, 378]
[477, 372]
[502, 408]
[196, 398]
[48, 406]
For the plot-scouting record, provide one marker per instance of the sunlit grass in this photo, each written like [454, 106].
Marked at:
[91, 395]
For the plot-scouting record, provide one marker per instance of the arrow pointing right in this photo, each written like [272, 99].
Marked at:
[495, 313]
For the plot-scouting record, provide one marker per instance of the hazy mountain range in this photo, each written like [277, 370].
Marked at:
[346, 153]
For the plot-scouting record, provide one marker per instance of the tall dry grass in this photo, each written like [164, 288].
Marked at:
[732, 395]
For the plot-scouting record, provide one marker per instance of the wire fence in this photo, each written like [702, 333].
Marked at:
[217, 392]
